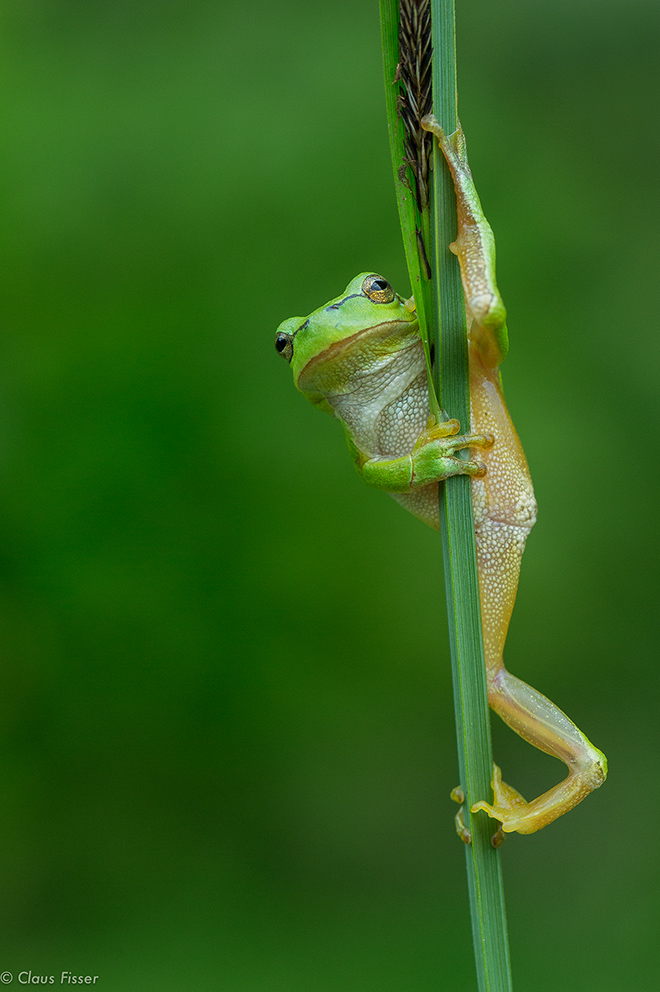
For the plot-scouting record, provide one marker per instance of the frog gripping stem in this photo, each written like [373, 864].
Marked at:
[475, 248]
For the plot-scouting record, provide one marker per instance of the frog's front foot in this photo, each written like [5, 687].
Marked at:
[449, 429]
[434, 452]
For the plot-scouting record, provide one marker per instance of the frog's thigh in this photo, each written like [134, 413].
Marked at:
[499, 551]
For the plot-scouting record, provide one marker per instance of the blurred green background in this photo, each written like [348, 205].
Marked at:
[226, 735]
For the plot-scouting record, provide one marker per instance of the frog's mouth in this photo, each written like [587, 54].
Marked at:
[331, 356]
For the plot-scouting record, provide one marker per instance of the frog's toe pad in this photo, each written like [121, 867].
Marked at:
[476, 469]
[498, 838]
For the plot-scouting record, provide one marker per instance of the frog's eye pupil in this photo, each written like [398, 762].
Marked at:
[378, 284]
[284, 345]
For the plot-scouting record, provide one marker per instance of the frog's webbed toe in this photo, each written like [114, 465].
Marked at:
[508, 805]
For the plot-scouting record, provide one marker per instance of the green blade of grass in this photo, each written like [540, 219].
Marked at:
[486, 890]
[443, 318]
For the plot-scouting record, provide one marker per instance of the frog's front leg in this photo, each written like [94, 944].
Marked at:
[475, 248]
[432, 459]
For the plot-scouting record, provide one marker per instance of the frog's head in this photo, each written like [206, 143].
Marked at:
[366, 323]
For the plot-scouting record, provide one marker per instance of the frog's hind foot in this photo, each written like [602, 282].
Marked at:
[463, 832]
[516, 814]
[507, 802]
[458, 796]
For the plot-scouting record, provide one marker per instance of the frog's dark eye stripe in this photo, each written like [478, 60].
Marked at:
[336, 306]
[284, 345]
[378, 289]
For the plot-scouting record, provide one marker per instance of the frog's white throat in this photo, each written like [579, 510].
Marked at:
[385, 406]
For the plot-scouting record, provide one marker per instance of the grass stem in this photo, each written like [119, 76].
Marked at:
[442, 318]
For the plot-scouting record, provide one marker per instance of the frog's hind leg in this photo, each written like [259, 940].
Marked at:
[544, 725]
[499, 548]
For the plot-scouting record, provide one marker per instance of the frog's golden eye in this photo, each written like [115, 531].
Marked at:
[378, 289]
[284, 345]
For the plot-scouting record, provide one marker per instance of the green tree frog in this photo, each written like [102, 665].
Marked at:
[361, 359]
